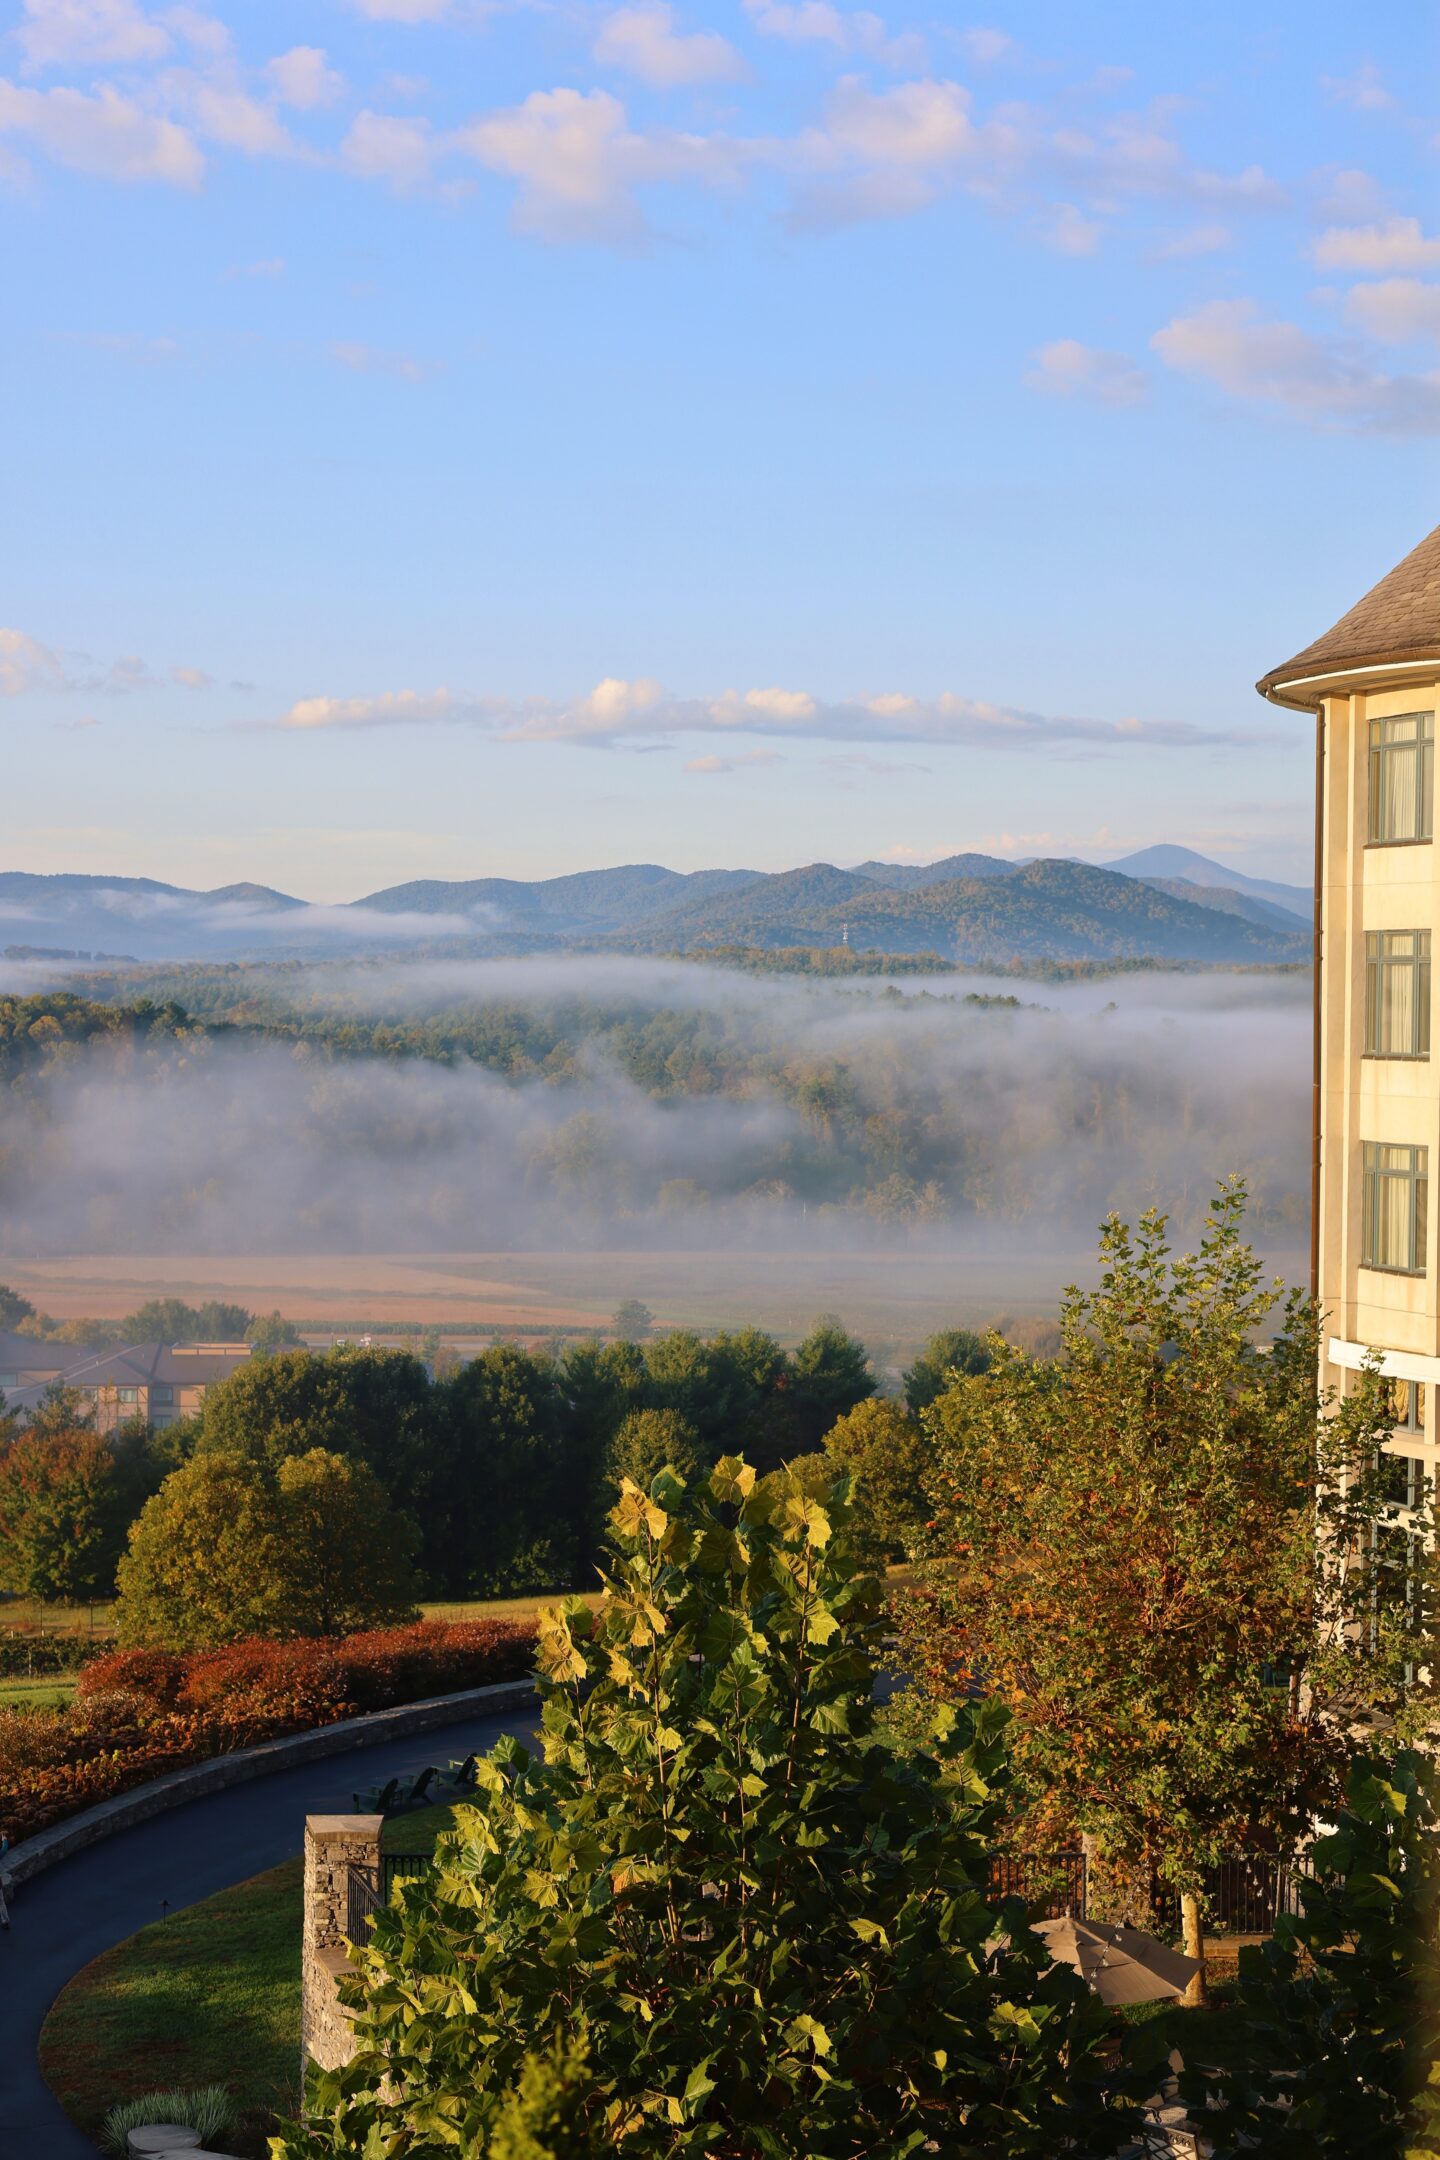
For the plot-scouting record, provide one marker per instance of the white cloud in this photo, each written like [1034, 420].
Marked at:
[88, 33]
[1365, 89]
[1396, 243]
[269, 266]
[238, 121]
[1196, 240]
[371, 360]
[643, 40]
[134, 345]
[642, 710]
[1396, 310]
[404, 11]
[746, 758]
[26, 664]
[1066, 368]
[303, 78]
[1070, 232]
[579, 163]
[847, 30]
[987, 47]
[387, 146]
[1322, 379]
[105, 134]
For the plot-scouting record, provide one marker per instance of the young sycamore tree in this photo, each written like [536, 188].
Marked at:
[768, 1933]
[1166, 1556]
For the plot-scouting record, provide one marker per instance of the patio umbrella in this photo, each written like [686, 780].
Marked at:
[1118, 1964]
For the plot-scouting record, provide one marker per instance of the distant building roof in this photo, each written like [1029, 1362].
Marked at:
[145, 1364]
[1398, 621]
[27, 1354]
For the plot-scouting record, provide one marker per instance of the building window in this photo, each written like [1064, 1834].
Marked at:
[1393, 1234]
[129, 1394]
[162, 1393]
[1397, 993]
[1402, 777]
[1404, 1478]
[1407, 1406]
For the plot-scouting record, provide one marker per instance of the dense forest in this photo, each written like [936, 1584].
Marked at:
[565, 1103]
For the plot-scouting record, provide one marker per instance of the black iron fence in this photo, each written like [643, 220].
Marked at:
[368, 1888]
[1244, 1895]
[1055, 1886]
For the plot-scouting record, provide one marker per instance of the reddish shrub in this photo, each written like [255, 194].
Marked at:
[139, 1713]
[155, 1675]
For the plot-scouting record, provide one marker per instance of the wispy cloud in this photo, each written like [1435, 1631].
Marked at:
[1066, 368]
[618, 711]
[746, 758]
[1365, 89]
[645, 40]
[1397, 243]
[28, 666]
[102, 133]
[1326, 380]
[360, 359]
[844, 30]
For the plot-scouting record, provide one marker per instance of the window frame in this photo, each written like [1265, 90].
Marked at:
[1377, 960]
[1421, 746]
[1417, 1176]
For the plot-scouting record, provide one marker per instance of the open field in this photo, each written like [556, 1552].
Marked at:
[32, 1616]
[893, 1299]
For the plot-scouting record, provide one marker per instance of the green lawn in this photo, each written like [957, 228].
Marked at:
[209, 1996]
[47, 1694]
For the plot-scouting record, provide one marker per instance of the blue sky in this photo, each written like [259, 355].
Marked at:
[449, 439]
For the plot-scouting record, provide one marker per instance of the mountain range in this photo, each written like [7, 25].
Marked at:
[1165, 903]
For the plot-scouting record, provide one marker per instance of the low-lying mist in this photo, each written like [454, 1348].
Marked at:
[583, 1103]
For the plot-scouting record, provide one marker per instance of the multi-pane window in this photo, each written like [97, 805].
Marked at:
[1393, 1233]
[1397, 993]
[1402, 777]
[1407, 1406]
[1405, 1480]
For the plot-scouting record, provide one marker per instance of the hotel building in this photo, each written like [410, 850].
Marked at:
[1373, 684]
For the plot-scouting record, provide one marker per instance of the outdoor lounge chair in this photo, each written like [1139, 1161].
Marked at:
[377, 1799]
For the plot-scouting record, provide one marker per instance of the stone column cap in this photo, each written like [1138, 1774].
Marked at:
[327, 1826]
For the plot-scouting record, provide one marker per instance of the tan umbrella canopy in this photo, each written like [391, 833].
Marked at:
[1118, 1964]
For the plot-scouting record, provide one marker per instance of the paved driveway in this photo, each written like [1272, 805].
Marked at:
[80, 1907]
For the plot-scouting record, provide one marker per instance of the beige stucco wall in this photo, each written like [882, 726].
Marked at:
[1366, 888]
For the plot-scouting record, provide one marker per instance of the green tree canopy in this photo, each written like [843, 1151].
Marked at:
[768, 1932]
[885, 1452]
[1143, 1550]
[953, 1350]
[229, 1548]
[829, 1374]
[13, 1307]
[272, 1331]
[632, 1321]
[1342, 2005]
[647, 1440]
[64, 1509]
[171, 1320]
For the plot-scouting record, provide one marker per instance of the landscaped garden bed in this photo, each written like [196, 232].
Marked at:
[209, 1996]
[137, 1714]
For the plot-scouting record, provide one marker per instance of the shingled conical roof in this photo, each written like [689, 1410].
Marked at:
[1397, 621]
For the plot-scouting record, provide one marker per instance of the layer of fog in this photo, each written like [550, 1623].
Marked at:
[874, 1114]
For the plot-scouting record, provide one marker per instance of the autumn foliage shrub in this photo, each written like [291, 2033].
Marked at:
[138, 1713]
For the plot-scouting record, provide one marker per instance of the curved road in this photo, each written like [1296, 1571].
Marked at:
[81, 1906]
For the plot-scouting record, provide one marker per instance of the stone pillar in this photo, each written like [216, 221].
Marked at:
[333, 1845]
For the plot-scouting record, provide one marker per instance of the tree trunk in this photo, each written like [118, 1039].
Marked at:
[1196, 1995]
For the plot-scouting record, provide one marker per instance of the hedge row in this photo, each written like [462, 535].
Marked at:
[36, 1654]
[139, 1713]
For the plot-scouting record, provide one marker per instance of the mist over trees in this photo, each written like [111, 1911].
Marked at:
[612, 1103]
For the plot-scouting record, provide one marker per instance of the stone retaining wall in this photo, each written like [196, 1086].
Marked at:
[33, 1855]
